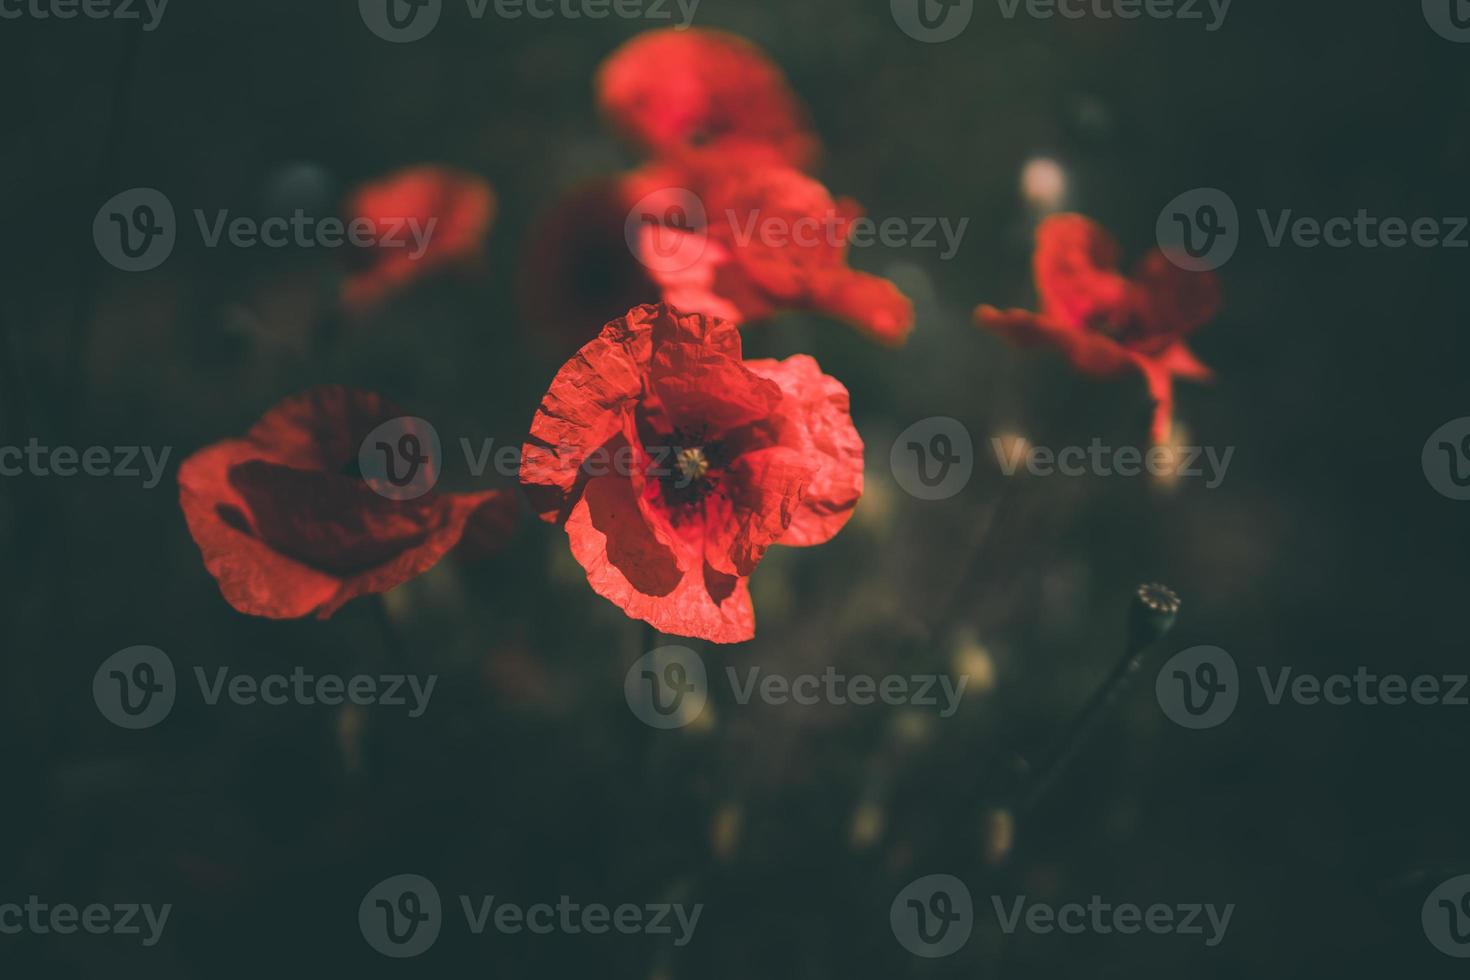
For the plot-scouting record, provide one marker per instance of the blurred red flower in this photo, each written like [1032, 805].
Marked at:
[729, 142]
[1106, 323]
[288, 526]
[683, 95]
[424, 218]
[773, 239]
[578, 270]
[674, 464]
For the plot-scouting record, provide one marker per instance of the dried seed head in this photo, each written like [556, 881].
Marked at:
[1155, 607]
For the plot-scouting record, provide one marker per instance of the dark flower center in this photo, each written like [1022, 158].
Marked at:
[691, 473]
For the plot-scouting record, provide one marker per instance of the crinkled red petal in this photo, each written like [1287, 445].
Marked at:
[815, 418]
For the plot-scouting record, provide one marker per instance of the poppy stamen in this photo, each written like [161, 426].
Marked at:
[692, 463]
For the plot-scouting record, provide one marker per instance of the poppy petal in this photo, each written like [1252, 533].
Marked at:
[816, 417]
[1076, 268]
[286, 532]
[707, 392]
[627, 564]
[767, 487]
[1088, 351]
[871, 303]
[1179, 301]
[253, 577]
[581, 412]
[453, 512]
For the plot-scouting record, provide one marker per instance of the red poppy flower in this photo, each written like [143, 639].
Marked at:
[774, 239]
[422, 218]
[685, 94]
[674, 464]
[1105, 322]
[288, 526]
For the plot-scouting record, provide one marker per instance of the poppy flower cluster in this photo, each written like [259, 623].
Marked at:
[730, 150]
[671, 462]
